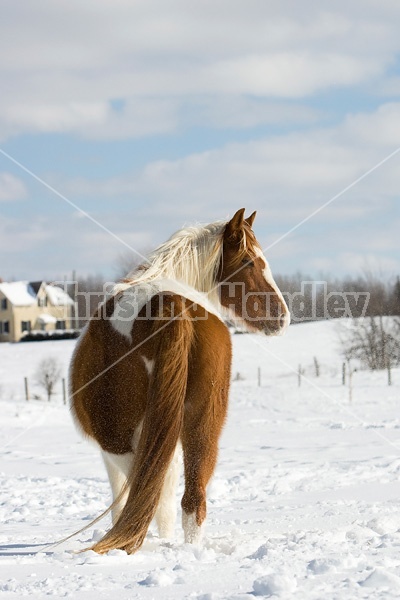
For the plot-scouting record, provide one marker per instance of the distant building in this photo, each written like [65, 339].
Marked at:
[29, 306]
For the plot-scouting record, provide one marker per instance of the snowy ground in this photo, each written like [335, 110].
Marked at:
[304, 503]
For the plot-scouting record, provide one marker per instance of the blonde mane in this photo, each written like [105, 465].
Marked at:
[191, 256]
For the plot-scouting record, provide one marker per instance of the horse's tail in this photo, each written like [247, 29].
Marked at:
[162, 424]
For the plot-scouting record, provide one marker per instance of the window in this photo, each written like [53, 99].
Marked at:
[42, 301]
[25, 326]
[60, 325]
[6, 327]
[4, 304]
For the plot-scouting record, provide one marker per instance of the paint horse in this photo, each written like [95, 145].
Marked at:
[151, 372]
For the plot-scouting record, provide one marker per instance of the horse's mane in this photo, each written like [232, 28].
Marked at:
[191, 256]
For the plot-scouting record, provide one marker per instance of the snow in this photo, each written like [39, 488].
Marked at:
[43, 318]
[19, 293]
[57, 296]
[304, 503]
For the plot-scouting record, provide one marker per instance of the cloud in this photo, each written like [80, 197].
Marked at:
[95, 120]
[38, 248]
[299, 170]
[26, 245]
[140, 117]
[11, 188]
[286, 177]
[224, 111]
[162, 63]
[379, 128]
[289, 75]
[118, 71]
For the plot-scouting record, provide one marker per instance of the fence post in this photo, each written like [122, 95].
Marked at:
[316, 365]
[299, 375]
[64, 392]
[389, 370]
[26, 389]
[350, 384]
[259, 376]
[344, 374]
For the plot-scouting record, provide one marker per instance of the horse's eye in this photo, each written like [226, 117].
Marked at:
[247, 262]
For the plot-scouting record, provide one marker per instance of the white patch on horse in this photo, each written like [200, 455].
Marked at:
[129, 306]
[271, 281]
[118, 468]
[166, 509]
[148, 363]
[134, 298]
[192, 532]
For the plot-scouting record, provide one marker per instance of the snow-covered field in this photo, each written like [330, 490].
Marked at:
[304, 503]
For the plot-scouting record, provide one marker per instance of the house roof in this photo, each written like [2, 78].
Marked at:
[36, 285]
[19, 293]
[57, 296]
[24, 293]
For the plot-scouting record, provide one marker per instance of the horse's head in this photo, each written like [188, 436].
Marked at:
[246, 286]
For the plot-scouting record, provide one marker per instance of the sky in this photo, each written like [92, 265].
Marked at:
[122, 121]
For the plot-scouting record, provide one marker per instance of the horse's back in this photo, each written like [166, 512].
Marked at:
[111, 372]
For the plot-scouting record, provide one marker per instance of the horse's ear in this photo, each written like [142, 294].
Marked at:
[235, 225]
[250, 219]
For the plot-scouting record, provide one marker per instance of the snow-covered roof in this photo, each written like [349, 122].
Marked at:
[57, 296]
[19, 293]
[44, 318]
[23, 293]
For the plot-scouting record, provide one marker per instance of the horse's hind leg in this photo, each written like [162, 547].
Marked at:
[118, 468]
[205, 411]
[200, 457]
[166, 509]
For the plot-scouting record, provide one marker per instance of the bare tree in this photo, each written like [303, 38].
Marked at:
[309, 296]
[375, 343]
[48, 375]
[394, 298]
[127, 262]
[90, 292]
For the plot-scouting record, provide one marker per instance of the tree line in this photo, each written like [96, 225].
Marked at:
[373, 342]
[308, 299]
[362, 296]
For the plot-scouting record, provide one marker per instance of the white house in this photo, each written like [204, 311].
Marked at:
[27, 306]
